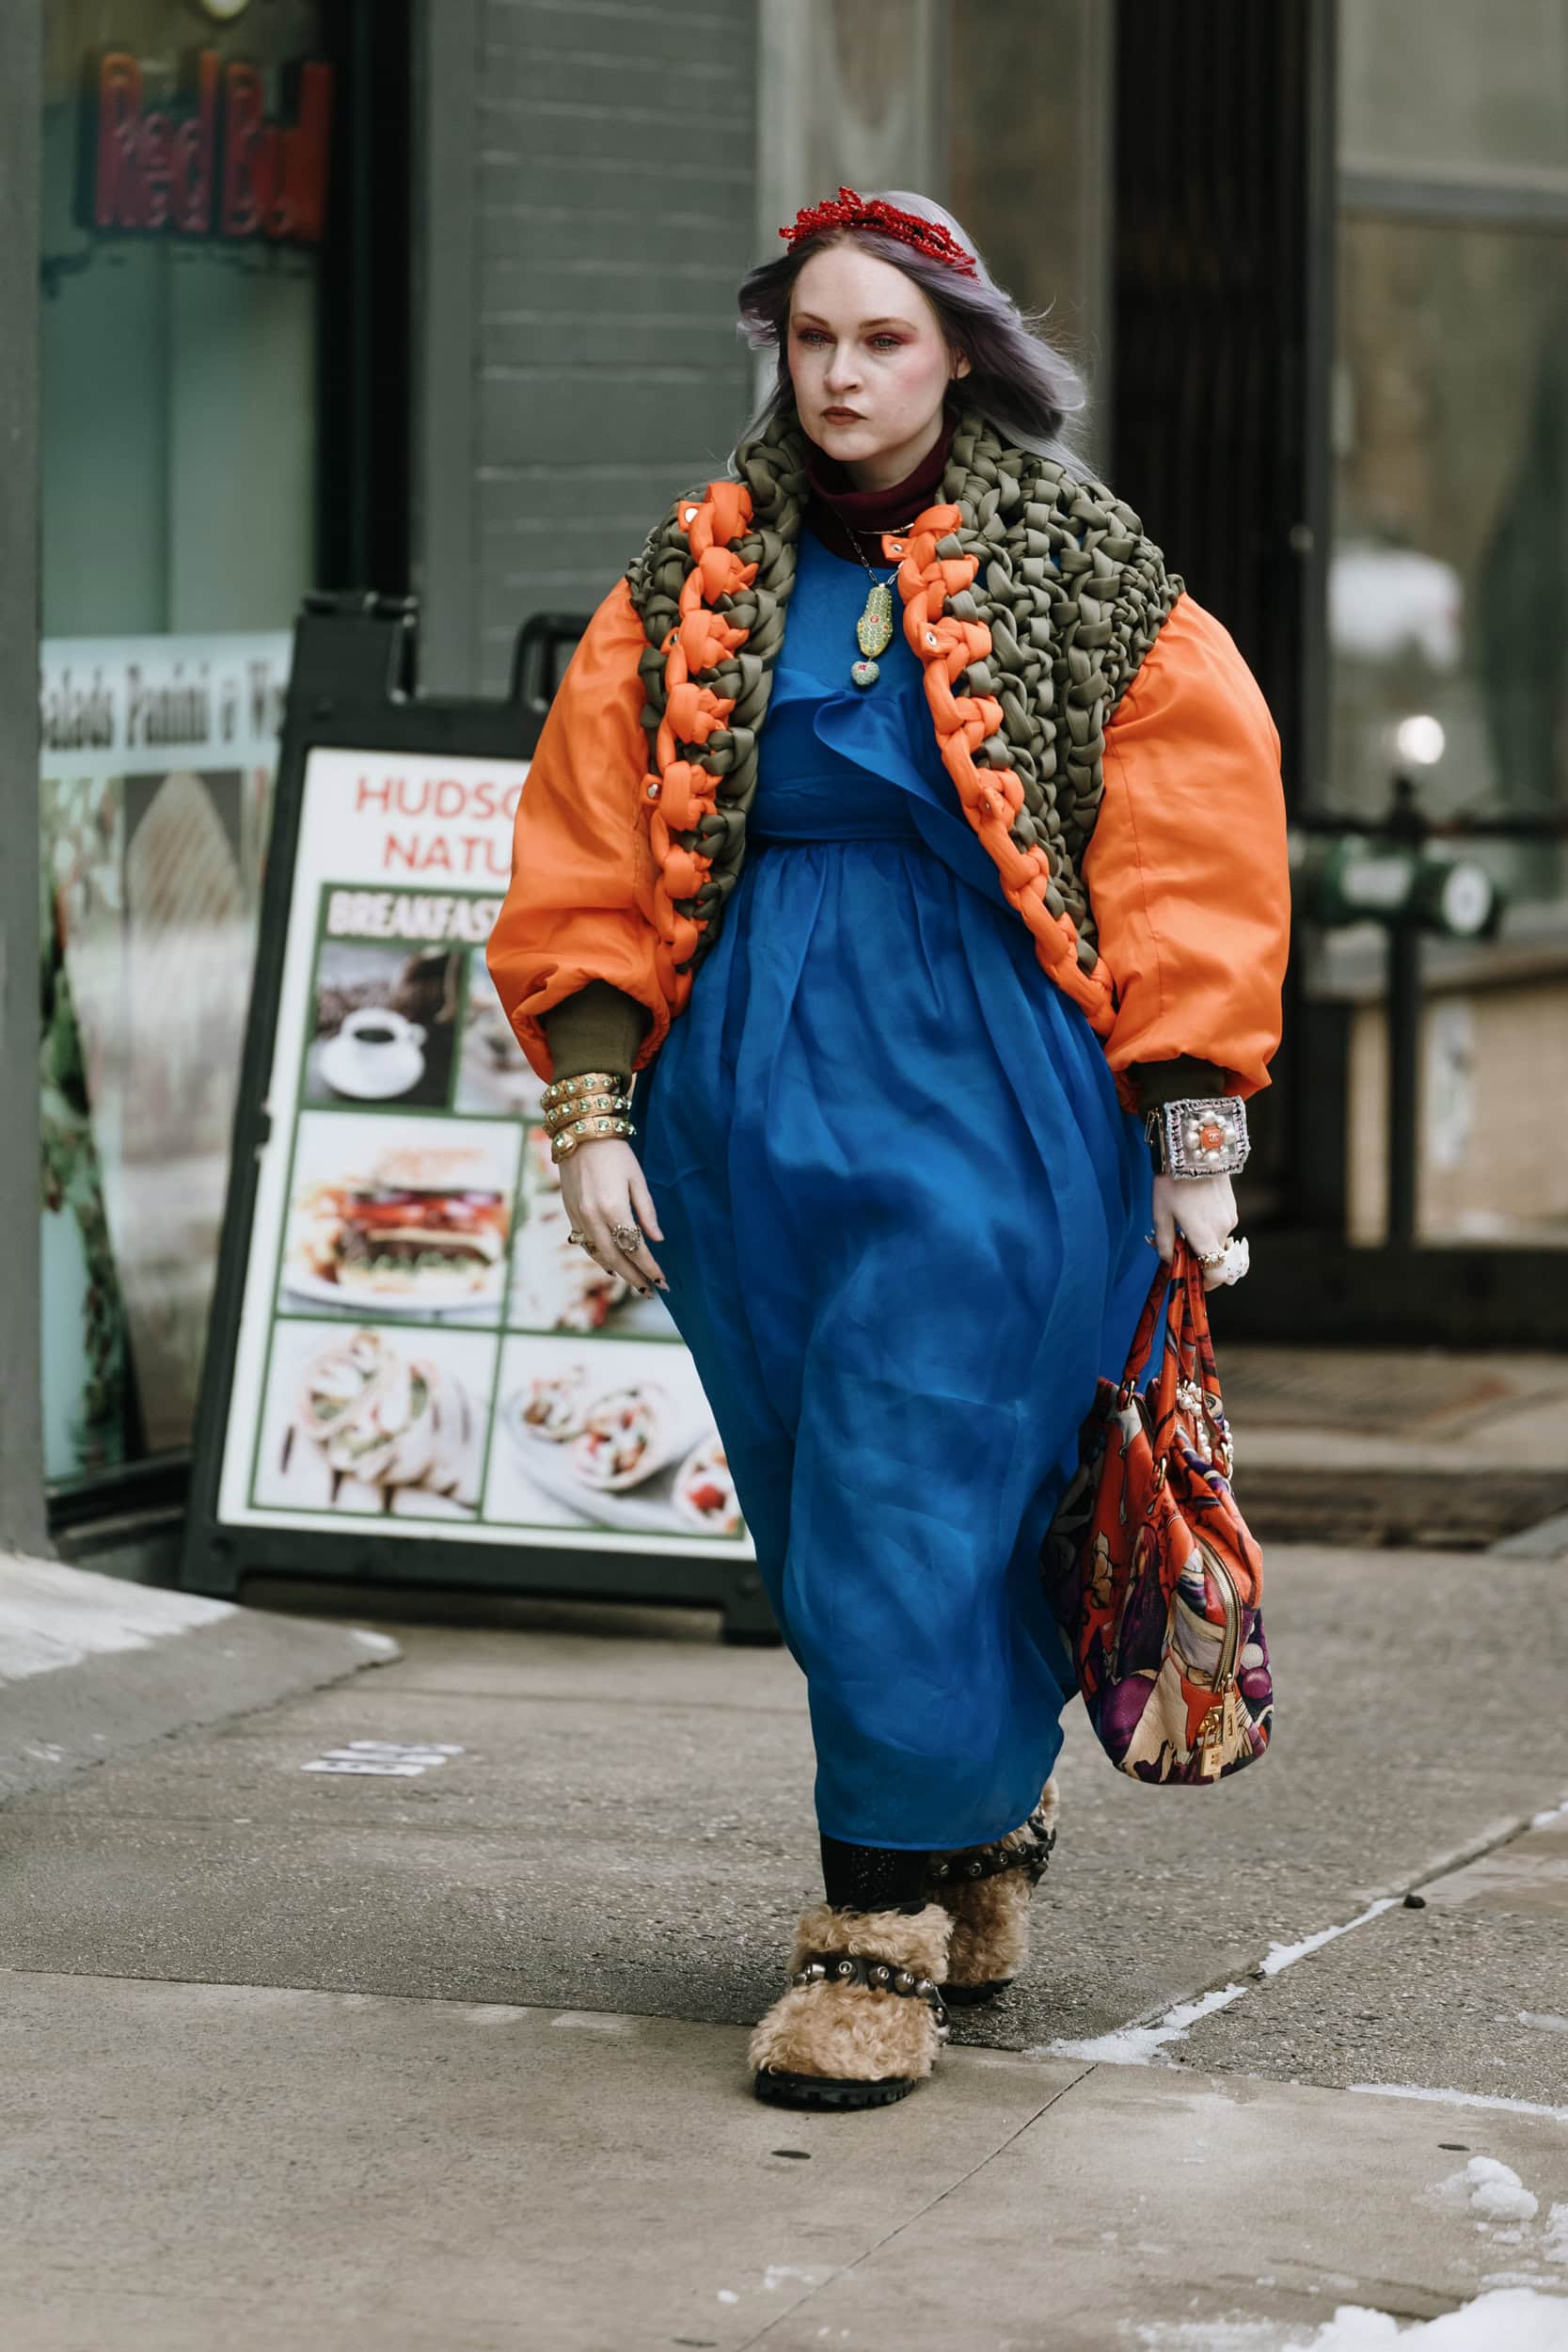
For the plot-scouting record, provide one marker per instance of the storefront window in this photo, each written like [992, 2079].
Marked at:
[187, 180]
[1449, 589]
[1446, 88]
[1449, 578]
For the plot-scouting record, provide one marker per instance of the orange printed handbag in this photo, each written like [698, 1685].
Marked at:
[1149, 1566]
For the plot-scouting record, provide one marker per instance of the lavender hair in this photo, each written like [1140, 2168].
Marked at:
[1026, 388]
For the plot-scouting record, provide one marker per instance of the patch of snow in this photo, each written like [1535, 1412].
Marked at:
[728, 2295]
[1214, 2335]
[1461, 2099]
[53, 1617]
[379, 1644]
[1553, 1814]
[1544, 2020]
[1286, 1955]
[1135, 2045]
[1494, 2190]
[1556, 2246]
[779, 2274]
[1506, 2319]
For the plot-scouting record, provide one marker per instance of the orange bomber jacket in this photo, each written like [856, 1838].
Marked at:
[1185, 869]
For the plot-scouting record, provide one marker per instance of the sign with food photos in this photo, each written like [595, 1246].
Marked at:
[419, 1353]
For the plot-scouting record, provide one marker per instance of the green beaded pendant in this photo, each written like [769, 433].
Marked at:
[873, 633]
[874, 630]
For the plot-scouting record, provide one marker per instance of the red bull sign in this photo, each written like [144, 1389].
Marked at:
[215, 165]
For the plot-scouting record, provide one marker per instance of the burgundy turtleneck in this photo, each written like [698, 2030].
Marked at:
[834, 503]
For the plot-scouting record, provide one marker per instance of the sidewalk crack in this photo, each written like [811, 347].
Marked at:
[848, 2269]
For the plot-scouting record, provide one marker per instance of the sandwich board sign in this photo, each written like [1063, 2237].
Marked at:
[411, 1374]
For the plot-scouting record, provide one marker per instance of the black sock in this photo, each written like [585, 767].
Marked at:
[873, 1877]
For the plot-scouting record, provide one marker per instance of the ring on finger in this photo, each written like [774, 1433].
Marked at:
[626, 1237]
[1233, 1262]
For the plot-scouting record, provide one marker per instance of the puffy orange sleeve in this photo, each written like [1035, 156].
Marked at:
[1187, 867]
[580, 861]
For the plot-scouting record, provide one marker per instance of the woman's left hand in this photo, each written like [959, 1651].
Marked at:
[1205, 1209]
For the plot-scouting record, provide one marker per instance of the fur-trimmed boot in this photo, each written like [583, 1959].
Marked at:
[863, 2018]
[987, 1891]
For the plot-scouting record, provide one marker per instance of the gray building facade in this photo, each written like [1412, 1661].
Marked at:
[590, 178]
[439, 299]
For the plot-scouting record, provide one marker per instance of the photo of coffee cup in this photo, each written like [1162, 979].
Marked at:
[387, 1020]
[377, 1054]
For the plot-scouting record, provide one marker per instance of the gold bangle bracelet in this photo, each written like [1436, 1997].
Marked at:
[592, 1122]
[588, 1082]
[562, 1114]
[588, 1131]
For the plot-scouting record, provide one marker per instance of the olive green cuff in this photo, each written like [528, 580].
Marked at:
[1176, 1080]
[600, 1027]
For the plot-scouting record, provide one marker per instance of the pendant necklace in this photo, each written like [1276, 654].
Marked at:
[874, 630]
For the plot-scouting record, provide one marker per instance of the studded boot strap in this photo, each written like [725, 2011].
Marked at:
[969, 1862]
[878, 1975]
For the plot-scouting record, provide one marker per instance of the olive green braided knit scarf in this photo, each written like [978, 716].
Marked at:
[1072, 594]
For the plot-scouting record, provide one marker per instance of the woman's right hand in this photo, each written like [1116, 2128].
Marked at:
[602, 1186]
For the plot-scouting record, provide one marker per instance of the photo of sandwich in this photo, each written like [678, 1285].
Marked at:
[358, 1422]
[418, 1226]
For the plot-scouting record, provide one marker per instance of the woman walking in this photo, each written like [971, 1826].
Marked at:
[920, 842]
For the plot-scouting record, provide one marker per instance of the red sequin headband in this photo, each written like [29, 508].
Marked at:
[850, 210]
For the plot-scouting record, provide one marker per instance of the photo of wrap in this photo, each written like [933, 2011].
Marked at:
[628, 1435]
[705, 1490]
[616, 1434]
[552, 1404]
[371, 1422]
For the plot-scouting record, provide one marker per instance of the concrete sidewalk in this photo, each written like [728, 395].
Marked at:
[438, 2039]
[199, 2164]
[1402, 1447]
[92, 1666]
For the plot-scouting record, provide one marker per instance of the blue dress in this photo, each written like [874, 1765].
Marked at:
[904, 1219]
